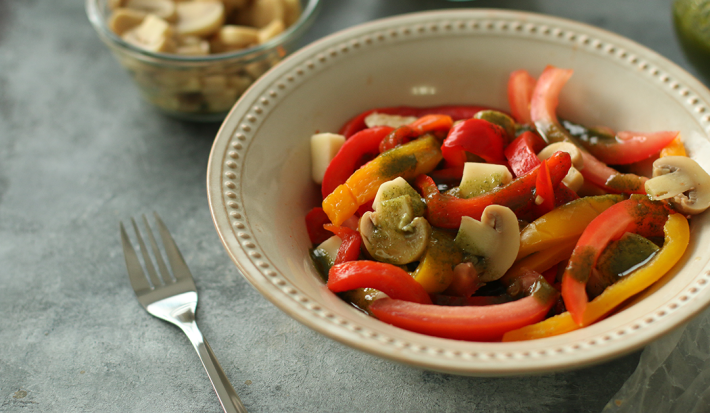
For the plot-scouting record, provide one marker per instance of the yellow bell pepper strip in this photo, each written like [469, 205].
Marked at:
[436, 270]
[677, 236]
[675, 148]
[473, 323]
[408, 161]
[445, 211]
[563, 224]
[638, 214]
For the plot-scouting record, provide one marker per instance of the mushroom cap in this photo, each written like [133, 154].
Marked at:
[396, 232]
[683, 181]
[390, 244]
[495, 239]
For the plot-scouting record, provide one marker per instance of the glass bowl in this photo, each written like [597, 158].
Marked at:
[198, 88]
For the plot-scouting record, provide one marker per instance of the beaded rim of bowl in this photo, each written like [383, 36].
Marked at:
[406, 28]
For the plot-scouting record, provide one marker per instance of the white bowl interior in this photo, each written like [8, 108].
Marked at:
[259, 175]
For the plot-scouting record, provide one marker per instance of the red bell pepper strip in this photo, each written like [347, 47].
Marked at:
[397, 137]
[542, 111]
[544, 191]
[457, 112]
[351, 155]
[629, 147]
[522, 152]
[437, 124]
[544, 102]
[473, 323]
[388, 278]
[432, 123]
[445, 211]
[638, 215]
[315, 219]
[609, 179]
[476, 136]
[465, 281]
[476, 300]
[453, 174]
[520, 91]
[550, 274]
[564, 195]
[350, 246]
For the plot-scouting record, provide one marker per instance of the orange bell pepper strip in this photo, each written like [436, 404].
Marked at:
[677, 236]
[675, 148]
[357, 150]
[408, 161]
[432, 123]
[639, 215]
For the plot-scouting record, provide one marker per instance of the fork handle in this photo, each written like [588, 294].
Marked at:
[225, 392]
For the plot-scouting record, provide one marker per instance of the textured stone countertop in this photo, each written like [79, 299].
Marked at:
[80, 151]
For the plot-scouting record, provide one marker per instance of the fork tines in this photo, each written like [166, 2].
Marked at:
[141, 282]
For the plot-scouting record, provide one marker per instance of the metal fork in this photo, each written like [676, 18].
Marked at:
[174, 299]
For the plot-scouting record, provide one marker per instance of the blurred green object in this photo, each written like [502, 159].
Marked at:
[692, 23]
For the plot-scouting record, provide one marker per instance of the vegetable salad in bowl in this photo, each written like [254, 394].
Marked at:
[480, 224]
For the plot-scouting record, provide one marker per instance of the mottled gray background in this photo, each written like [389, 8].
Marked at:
[80, 151]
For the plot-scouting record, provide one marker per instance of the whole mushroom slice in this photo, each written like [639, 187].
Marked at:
[495, 240]
[396, 232]
[681, 180]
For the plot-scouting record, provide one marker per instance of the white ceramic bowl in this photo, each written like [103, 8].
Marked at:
[260, 187]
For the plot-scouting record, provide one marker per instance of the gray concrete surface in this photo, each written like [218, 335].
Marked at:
[80, 151]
